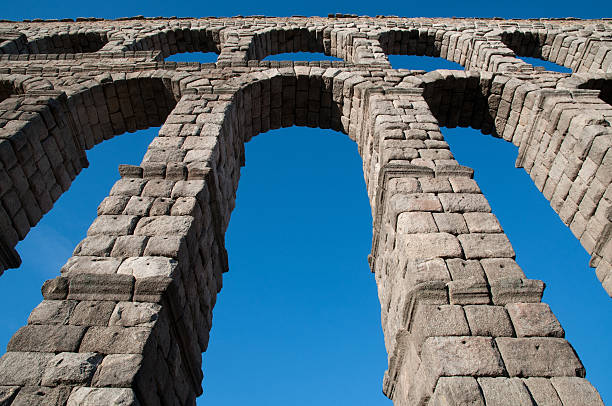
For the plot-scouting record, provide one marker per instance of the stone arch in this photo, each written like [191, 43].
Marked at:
[287, 39]
[580, 53]
[176, 39]
[50, 134]
[69, 41]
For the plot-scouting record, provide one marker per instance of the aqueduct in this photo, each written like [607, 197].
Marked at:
[128, 318]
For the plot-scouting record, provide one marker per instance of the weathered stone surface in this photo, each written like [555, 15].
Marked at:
[46, 338]
[425, 246]
[457, 391]
[482, 245]
[23, 368]
[130, 314]
[513, 290]
[505, 392]
[90, 265]
[490, 321]
[157, 250]
[145, 267]
[68, 368]
[468, 291]
[42, 396]
[118, 370]
[92, 313]
[102, 397]
[52, 312]
[534, 320]
[101, 287]
[542, 391]
[115, 340]
[539, 357]
[449, 356]
[55, 288]
[576, 391]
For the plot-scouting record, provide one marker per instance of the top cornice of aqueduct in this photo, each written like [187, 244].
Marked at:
[335, 18]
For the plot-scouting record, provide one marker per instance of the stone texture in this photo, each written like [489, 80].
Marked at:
[140, 288]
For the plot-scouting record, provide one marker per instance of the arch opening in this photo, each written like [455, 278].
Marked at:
[289, 199]
[68, 43]
[539, 46]
[179, 40]
[289, 40]
[300, 56]
[418, 42]
[196, 56]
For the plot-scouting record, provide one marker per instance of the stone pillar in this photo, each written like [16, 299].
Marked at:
[462, 323]
[128, 318]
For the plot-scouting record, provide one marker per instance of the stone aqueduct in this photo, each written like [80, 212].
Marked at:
[128, 319]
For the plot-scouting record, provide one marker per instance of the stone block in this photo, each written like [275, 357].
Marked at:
[482, 245]
[539, 357]
[117, 370]
[534, 320]
[113, 225]
[90, 265]
[430, 245]
[164, 225]
[96, 245]
[430, 320]
[492, 321]
[131, 314]
[576, 391]
[101, 287]
[92, 313]
[500, 268]
[464, 202]
[23, 368]
[144, 267]
[542, 392]
[416, 222]
[115, 340]
[452, 223]
[459, 356]
[462, 269]
[505, 392]
[151, 289]
[158, 188]
[421, 271]
[52, 312]
[55, 289]
[102, 397]
[482, 223]
[468, 291]
[514, 290]
[457, 391]
[129, 246]
[166, 246]
[68, 368]
[46, 338]
[42, 396]
[138, 206]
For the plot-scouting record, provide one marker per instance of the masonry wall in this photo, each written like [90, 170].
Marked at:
[131, 312]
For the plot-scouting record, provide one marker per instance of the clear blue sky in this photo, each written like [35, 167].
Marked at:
[298, 320]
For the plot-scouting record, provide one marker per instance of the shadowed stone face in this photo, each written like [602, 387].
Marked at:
[128, 319]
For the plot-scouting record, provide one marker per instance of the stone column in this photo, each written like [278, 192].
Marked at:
[128, 318]
[462, 323]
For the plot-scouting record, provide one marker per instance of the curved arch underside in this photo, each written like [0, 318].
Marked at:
[461, 320]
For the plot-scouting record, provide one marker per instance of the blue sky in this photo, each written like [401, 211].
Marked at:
[298, 319]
